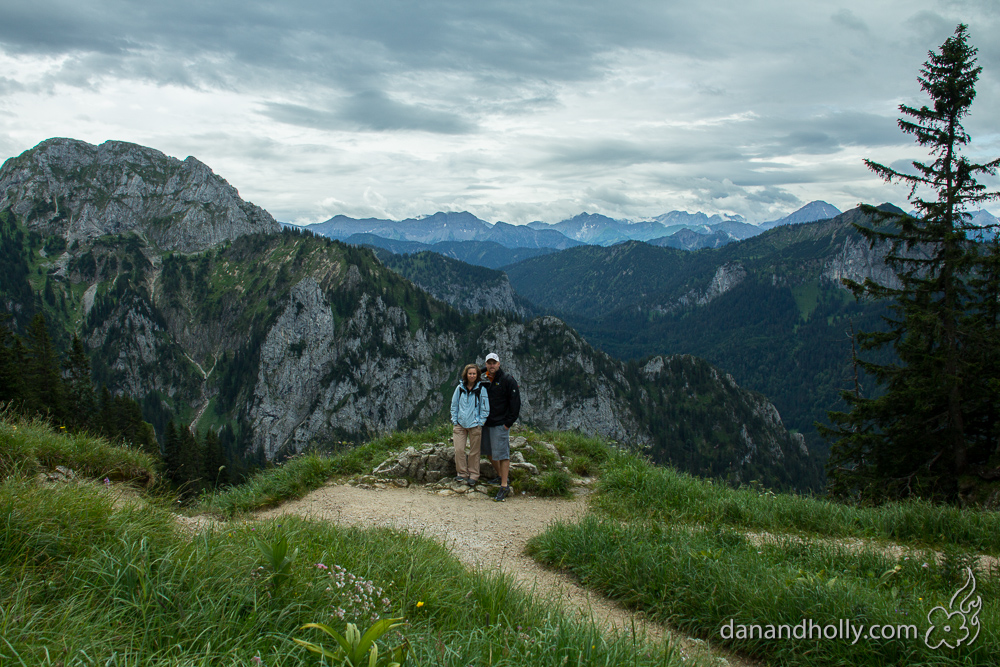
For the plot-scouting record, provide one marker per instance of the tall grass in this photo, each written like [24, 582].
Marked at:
[631, 489]
[29, 445]
[699, 579]
[83, 583]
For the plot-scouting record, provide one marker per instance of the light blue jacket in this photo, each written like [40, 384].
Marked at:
[468, 410]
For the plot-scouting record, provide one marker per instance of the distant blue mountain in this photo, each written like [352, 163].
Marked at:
[585, 228]
[811, 212]
[443, 227]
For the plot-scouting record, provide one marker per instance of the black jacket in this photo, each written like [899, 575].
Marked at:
[505, 400]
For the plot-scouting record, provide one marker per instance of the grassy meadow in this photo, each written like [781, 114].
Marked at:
[104, 574]
[101, 573]
[697, 555]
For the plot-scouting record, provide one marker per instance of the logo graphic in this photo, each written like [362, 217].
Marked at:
[959, 625]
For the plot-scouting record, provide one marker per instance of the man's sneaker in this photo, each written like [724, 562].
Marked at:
[502, 494]
[459, 478]
[494, 482]
[470, 482]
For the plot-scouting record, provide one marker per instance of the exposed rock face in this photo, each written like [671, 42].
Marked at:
[726, 277]
[298, 348]
[80, 191]
[371, 376]
[553, 393]
[497, 296]
[143, 355]
[857, 260]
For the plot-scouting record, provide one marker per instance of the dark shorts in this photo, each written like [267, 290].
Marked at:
[495, 443]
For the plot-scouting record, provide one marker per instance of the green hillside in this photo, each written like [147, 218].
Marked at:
[781, 328]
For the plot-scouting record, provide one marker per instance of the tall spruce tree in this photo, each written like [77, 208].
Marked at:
[931, 424]
[44, 383]
[172, 454]
[80, 398]
[213, 459]
[10, 375]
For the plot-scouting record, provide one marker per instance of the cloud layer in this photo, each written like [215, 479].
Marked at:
[512, 110]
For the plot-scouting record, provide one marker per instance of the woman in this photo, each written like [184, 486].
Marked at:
[470, 405]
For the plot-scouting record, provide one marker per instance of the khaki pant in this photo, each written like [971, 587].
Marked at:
[467, 466]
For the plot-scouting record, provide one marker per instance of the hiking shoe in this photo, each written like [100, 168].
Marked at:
[459, 478]
[494, 482]
[502, 494]
[470, 482]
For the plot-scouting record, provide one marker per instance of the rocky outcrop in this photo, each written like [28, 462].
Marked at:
[433, 462]
[369, 376]
[726, 277]
[857, 260]
[495, 296]
[137, 353]
[80, 191]
[565, 384]
[298, 348]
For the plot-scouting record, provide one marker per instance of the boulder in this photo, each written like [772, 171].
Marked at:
[430, 463]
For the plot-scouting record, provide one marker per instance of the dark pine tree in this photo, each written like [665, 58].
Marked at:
[191, 464]
[172, 453]
[928, 427]
[80, 398]
[10, 375]
[43, 378]
[214, 459]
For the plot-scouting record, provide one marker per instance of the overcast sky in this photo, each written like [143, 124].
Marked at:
[513, 110]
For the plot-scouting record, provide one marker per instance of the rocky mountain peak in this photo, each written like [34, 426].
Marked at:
[80, 191]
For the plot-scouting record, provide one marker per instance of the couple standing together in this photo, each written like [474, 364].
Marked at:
[485, 405]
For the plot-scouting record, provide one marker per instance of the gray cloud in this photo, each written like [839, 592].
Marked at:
[371, 110]
[848, 19]
[530, 109]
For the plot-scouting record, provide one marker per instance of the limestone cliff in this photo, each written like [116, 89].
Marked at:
[470, 288]
[80, 191]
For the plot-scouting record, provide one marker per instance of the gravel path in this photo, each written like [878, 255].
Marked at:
[488, 535]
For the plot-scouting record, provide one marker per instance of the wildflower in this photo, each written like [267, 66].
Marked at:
[925, 565]
[257, 660]
[420, 604]
[107, 482]
[321, 566]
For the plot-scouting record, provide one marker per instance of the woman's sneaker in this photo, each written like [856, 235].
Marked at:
[502, 494]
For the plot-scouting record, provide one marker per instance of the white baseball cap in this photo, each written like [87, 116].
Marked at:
[493, 356]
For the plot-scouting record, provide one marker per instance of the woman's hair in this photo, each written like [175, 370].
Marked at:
[465, 373]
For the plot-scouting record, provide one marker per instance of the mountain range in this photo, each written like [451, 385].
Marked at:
[199, 305]
[464, 236]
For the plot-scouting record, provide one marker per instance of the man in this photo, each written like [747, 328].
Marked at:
[505, 406]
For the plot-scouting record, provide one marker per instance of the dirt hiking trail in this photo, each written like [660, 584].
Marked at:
[488, 535]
